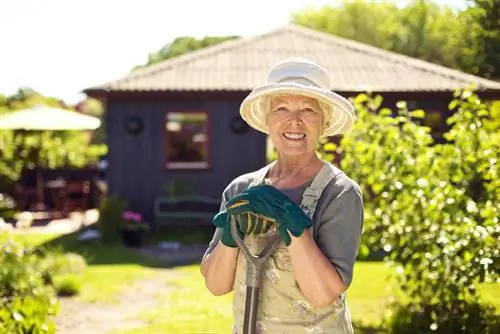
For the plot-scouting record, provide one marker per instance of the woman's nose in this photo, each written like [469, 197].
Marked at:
[294, 116]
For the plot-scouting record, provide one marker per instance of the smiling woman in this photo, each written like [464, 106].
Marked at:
[295, 123]
[314, 209]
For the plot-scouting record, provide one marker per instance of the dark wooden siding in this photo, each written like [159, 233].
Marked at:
[136, 168]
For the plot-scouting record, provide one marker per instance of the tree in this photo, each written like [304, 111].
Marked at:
[432, 208]
[485, 15]
[421, 29]
[18, 149]
[95, 108]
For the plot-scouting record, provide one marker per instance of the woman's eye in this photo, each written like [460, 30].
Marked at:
[309, 110]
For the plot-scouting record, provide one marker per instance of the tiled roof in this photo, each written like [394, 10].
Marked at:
[243, 63]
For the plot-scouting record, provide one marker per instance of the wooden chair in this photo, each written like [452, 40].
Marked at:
[76, 196]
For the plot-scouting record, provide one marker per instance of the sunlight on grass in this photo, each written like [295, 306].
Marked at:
[188, 307]
[490, 293]
[369, 293]
[195, 310]
[104, 283]
[32, 239]
[110, 271]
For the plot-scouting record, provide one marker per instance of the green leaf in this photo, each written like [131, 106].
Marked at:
[420, 114]
[385, 112]
[330, 147]
[453, 104]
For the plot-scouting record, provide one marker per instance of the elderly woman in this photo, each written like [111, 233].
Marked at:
[317, 208]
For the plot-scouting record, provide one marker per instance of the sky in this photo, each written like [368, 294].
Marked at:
[60, 47]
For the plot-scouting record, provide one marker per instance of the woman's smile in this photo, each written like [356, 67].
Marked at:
[294, 136]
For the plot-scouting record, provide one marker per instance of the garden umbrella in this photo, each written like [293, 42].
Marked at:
[45, 118]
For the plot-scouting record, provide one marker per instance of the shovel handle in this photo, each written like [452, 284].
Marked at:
[255, 266]
[255, 261]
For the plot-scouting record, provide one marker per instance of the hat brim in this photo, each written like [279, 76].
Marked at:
[341, 112]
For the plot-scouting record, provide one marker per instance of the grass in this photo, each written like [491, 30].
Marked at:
[490, 293]
[369, 293]
[185, 306]
[195, 310]
[111, 268]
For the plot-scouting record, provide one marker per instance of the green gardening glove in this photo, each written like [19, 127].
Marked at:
[222, 220]
[268, 201]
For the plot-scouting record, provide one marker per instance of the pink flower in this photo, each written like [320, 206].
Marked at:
[130, 215]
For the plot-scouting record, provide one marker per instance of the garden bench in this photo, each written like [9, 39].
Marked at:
[185, 210]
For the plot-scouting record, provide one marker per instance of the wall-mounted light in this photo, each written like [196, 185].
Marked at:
[134, 125]
[238, 125]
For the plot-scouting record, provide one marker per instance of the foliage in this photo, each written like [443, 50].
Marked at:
[111, 218]
[485, 16]
[19, 149]
[68, 285]
[30, 279]
[95, 108]
[467, 39]
[27, 301]
[7, 207]
[431, 206]
[177, 188]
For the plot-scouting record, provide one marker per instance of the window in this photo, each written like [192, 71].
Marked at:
[186, 140]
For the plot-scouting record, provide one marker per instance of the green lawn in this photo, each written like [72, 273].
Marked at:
[112, 268]
[195, 310]
[185, 306]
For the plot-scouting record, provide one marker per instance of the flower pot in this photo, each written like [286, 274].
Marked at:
[133, 238]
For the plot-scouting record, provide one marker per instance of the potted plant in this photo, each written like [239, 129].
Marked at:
[134, 229]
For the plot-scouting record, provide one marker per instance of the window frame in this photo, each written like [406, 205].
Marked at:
[204, 165]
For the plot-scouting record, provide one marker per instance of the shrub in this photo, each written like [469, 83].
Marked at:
[68, 285]
[58, 263]
[27, 302]
[111, 218]
[431, 207]
[30, 280]
[7, 207]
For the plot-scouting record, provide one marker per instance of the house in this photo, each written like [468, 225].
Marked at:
[177, 122]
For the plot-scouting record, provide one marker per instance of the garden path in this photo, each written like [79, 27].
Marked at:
[77, 317]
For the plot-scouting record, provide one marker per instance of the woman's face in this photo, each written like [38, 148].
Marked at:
[295, 124]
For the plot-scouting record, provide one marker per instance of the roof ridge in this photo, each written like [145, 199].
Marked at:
[194, 55]
[391, 55]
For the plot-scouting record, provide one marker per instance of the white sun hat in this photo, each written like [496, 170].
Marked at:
[299, 76]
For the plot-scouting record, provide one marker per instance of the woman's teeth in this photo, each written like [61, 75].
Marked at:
[294, 136]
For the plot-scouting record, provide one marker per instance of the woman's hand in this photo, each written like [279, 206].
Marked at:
[223, 221]
[267, 201]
